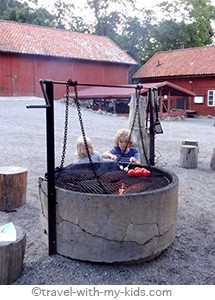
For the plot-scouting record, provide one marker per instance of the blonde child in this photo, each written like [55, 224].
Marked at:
[81, 156]
[123, 150]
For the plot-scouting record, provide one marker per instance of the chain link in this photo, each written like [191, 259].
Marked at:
[137, 114]
[77, 103]
[140, 129]
[65, 127]
[82, 125]
[85, 139]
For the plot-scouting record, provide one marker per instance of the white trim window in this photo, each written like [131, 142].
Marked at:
[211, 98]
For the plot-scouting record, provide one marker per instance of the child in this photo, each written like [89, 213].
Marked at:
[123, 151]
[81, 152]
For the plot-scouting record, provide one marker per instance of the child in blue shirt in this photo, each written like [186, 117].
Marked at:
[123, 150]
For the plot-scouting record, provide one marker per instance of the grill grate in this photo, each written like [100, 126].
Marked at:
[114, 181]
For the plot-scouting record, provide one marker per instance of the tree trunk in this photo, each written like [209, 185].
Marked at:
[191, 143]
[188, 156]
[212, 163]
[11, 257]
[13, 186]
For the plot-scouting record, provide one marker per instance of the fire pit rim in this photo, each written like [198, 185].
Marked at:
[172, 177]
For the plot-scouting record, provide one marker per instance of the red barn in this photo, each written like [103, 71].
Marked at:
[192, 69]
[29, 53]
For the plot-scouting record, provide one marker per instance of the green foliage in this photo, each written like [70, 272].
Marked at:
[168, 35]
[192, 23]
[61, 11]
[21, 12]
[136, 35]
[141, 34]
[77, 23]
[108, 25]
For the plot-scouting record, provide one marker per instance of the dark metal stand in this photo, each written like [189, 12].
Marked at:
[48, 92]
[151, 130]
[50, 141]
[47, 87]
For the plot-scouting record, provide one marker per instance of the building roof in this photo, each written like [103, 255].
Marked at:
[113, 92]
[182, 62]
[37, 40]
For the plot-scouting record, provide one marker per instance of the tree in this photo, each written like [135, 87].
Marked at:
[141, 34]
[107, 18]
[77, 23]
[61, 12]
[136, 35]
[168, 35]
[21, 12]
[200, 31]
[190, 21]
[101, 7]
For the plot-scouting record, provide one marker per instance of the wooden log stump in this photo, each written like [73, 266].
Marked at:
[11, 257]
[13, 186]
[191, 143]
[188, 156]
[212, 163]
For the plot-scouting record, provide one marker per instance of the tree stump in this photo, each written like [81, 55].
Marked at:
[13, 186]
[188, 156]
[191, 143]
[212, 163]
[11, 257]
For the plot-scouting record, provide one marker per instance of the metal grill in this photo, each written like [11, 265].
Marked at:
[109, 179]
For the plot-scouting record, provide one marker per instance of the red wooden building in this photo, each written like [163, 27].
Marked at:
[29, 53]
[192, 69]
[116, 100]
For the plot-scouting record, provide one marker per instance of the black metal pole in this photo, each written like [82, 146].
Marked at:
[51, 168]
[151, 128]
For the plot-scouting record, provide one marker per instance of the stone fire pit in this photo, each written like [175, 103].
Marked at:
[113, 228]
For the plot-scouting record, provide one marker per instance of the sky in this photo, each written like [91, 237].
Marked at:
[45, 3]
[141, 3]
[86, 14]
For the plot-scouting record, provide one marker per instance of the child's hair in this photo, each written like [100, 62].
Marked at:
[81, 149]
[124, 135]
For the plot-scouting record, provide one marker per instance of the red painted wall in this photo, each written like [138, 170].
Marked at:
[16, 76]
[200, 87]
[20, 74]
[197, 85]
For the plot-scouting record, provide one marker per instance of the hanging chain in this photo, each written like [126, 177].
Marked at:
[85, 139]
[140, 129]
[130, 134]
[65, 127]
[137, 114]
[81, 124]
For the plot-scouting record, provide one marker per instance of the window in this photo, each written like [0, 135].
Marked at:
[199, 99]
[211, 98]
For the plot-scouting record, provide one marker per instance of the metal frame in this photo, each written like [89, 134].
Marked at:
[47, 87]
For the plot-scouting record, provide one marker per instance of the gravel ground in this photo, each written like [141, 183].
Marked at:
[189, 260]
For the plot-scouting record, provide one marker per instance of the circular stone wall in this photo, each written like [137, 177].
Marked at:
[113, 228]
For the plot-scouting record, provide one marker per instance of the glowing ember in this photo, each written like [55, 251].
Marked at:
[122, 189]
